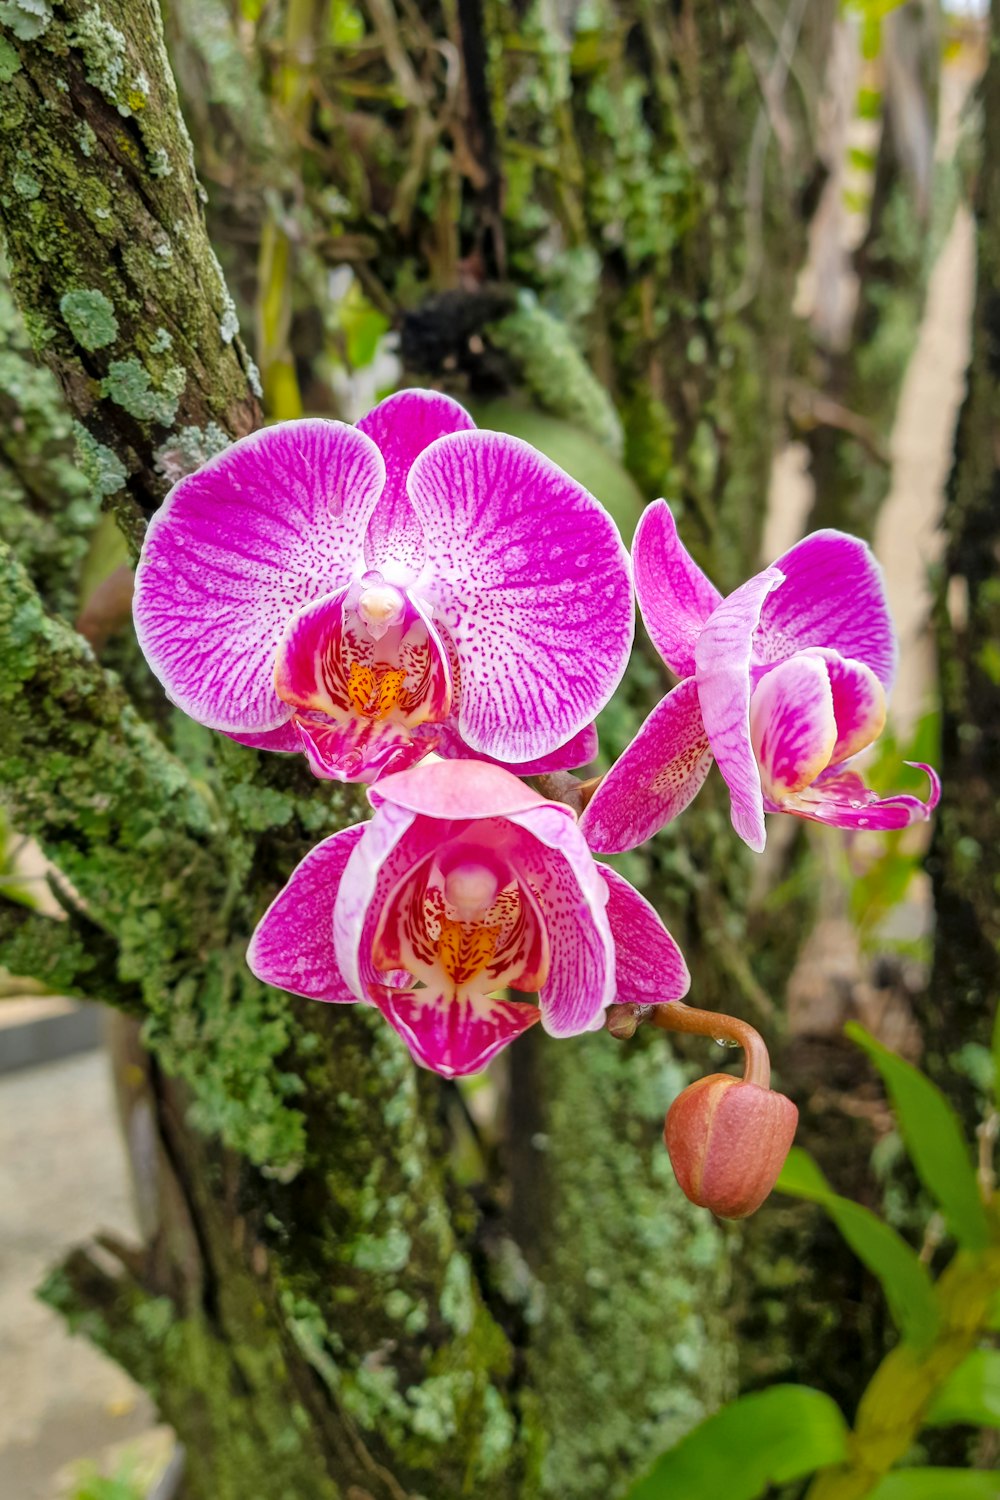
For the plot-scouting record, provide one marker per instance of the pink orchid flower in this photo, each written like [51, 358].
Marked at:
[463, 884]
[367, 594]
[781, 683]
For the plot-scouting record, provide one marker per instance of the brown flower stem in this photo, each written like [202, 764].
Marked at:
[676, 1016]
[588, 788]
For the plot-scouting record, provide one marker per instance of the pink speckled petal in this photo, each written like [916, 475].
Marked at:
[266, 526]
[723, 657]
[655, 777]
[649, 966]
[403, 426]
[858, 704]
[395, 840]
[792, 725]
[454, 1037]
[558, 867]
[457, 789]
[285, 738]
[529, 575]
[841, 798]
[292, 947]
[675, 597]
[579, 751]
[833, 596]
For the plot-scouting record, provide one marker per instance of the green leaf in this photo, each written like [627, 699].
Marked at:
[996, 1057]
[871, 37]
[869, 104]
[933, 1137]
[938, 1484]
[855, 203]
[971, 1395]
[771, 1437]
[905, 1281]
[863, 160]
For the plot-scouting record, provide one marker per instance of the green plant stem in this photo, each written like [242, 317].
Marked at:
[893, 1407]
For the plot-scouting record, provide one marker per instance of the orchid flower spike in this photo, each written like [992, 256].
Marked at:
[781, 683]
[368, 594]
[463, 884]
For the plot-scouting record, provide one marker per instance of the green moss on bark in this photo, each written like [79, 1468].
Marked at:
[48, 508]
[100, 208]
[624, 1263]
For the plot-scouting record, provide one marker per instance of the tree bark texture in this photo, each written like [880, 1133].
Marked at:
[965, 856]
[329, 1301]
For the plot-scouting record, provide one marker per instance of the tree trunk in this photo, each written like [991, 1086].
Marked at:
[329, 1301]
[965, 855]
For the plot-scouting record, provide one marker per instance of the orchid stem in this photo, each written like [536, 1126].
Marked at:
[588, 788]
[676, 1016]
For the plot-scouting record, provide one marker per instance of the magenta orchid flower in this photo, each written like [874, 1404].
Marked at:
[465, 883]
[368, 594]
[781, 683]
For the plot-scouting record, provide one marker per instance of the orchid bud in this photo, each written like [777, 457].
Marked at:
[728, 1140]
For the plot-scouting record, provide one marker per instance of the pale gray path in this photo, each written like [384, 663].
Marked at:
[62, 1175]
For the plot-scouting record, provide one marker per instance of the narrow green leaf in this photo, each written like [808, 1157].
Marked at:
[856, 203]
[996, 1057]
[993, 1317]
[871, 38]
[972, 1395]
[863, 160]
[904, 1279]
[771, 1437]
[933, 1137]
[869, 104]
[938, 1484]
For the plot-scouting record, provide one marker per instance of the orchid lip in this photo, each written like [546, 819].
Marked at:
[367, 676]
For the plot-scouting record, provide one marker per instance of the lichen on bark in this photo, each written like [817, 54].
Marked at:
[100, 209]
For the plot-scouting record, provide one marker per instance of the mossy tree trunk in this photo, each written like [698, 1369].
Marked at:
[329, 1300]
[965, 855]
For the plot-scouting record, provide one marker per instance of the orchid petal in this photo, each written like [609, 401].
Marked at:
[655, 777]
[649, 966]
[579, 751]
[675, 597]
[285, 738]
[858, 705]
[454, 1037]
[395, 842]
[841, 799]
[792, 725]
[465, 789]
[530, 577]
[557, 864]
[266, 526]
[403, 426]
[833, 596]
[723, 656]
[292, 947]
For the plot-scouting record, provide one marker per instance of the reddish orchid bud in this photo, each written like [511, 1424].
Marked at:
[728, 1140]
